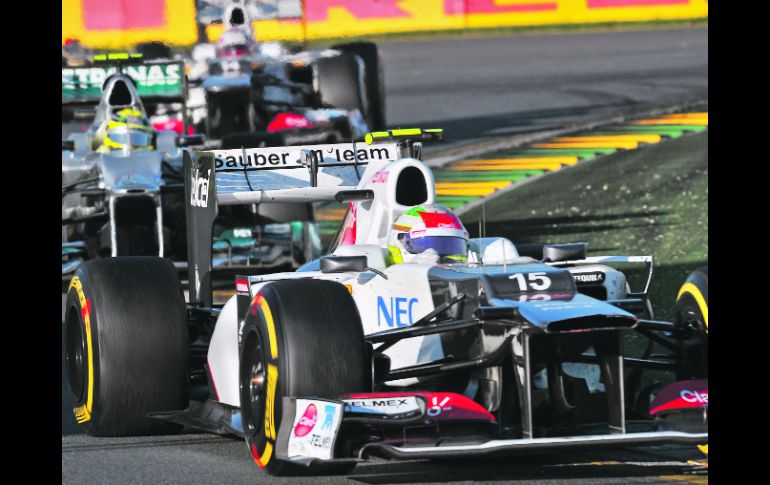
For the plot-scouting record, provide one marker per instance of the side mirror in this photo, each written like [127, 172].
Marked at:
[553, 253]
[204, 52]
[354, 195]
[68, 145]
[341, 264]
[190, 141]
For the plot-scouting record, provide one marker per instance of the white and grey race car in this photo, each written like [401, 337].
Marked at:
[240, 86]
[350, 357]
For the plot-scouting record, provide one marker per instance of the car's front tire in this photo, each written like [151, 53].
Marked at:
[691, 323]
[300, 338]
[126, 345]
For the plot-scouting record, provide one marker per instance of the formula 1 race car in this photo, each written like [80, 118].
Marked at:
[320, 96]
[357, 354]
[122, 185]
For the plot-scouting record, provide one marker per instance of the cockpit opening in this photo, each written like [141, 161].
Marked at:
[120, 94]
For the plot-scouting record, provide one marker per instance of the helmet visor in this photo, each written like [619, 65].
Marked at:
[233, 50]
[131, 137]
[450, 248]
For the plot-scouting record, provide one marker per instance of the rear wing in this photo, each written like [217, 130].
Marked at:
[306, 173]
[161, 82]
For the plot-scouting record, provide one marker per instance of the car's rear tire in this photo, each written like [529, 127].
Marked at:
[300, 338]
[691, 323]
[375, 81]
[341, 82]
[126, 345]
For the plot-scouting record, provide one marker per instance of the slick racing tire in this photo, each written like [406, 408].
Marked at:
[341, 82]
[154, 50]
[691, 323]
[301, 337]
[126, 345]
[375, 81]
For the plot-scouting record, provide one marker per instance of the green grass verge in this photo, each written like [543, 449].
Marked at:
[649, 201]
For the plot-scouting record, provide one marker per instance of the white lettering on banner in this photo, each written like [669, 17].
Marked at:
[314, 429]
[287, 156]
[242, 232]
[199, 193]
[145, 75]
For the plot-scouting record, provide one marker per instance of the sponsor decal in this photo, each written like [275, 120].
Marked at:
[306, 422]
[380, 177]
[242, 233]
[681, 395]
[242, 286]
[255, 160]
[288, 121]
[594, 277]
[199, 195]
[159, 79]
[435, 220]
[694, 396]
[315, 429]
[272, 381]
[329, 412]
[349, 234]
[280, 157]
[437, 407]
[397, 312]
[401, 227]
[395, 406]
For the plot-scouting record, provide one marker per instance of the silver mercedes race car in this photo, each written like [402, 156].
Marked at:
[123, 190]
[370, 351]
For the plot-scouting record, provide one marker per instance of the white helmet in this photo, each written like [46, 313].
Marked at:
[432, 228]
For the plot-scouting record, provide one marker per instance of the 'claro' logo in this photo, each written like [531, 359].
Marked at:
[199, 193]
[306, 422]
[695, 396]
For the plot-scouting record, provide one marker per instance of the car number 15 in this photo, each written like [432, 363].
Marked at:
[537, 281]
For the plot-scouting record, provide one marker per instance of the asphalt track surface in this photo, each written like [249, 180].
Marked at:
[489, 86]
[474, 88]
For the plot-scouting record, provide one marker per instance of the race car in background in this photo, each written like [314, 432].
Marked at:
[125, 197]
[321, 96]
[353, 356]
[75, 54]
[159, 79]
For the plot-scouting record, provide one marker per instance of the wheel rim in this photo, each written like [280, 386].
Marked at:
[75, 355]
[253, 384]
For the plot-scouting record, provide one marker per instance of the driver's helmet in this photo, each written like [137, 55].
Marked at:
[233, 43]
[128, 126]
[428, 228]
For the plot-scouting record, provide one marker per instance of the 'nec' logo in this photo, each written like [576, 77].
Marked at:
[199, 192]
[398, 312]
